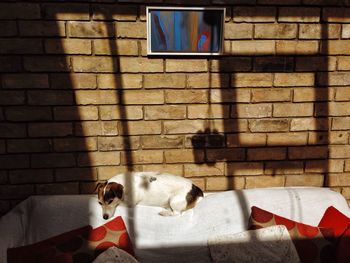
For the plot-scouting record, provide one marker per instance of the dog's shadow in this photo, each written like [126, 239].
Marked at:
[205, 140]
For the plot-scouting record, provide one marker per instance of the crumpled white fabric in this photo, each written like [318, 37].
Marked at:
[267, 245]
[115, 255]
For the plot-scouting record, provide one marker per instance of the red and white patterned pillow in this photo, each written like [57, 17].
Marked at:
[81, 245]
[313, 244]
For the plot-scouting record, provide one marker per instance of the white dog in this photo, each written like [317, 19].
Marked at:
[148, 188]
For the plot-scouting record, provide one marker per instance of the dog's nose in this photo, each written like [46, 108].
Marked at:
[105, 216]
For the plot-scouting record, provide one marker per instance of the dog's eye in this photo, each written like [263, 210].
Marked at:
[100, 202]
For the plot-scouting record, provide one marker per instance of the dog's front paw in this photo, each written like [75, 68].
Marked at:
[166, 213]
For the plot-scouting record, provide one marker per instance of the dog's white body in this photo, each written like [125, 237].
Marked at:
[154, 189]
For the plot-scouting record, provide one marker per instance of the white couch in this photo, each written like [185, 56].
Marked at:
[165, 239]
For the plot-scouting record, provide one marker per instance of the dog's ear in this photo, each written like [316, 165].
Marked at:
[98, 187]
[117, 189]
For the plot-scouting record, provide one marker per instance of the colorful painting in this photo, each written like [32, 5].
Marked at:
[185, 31]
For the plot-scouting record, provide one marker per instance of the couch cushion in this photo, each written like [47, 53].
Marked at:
[80, 245]
[335, 219]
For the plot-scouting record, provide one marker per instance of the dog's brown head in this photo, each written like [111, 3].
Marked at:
[110, 195]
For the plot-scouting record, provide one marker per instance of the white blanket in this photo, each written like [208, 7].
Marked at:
[165, 239]
[268, 245]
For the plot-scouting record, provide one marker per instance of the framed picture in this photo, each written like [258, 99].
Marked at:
[185, 30]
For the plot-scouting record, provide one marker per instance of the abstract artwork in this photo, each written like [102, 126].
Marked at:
[185, 31]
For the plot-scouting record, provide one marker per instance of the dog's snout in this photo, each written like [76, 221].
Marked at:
[105, 216]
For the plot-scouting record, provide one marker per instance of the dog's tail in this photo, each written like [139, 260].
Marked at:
[193, 196]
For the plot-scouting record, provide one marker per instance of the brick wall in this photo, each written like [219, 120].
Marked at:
[81, 101]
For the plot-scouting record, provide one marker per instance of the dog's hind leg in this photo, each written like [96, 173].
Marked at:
[177, 205]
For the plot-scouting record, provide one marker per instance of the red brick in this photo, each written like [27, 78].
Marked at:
[50, 129]
[31, 176]
[193, 65]
[294, 79]
[59, 97]
[110, 128]
[333, 79]
[28, 145]
[26, 113]
[152, 81]
[299, 47]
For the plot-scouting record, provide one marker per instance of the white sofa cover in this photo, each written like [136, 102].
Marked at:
[165, 239]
